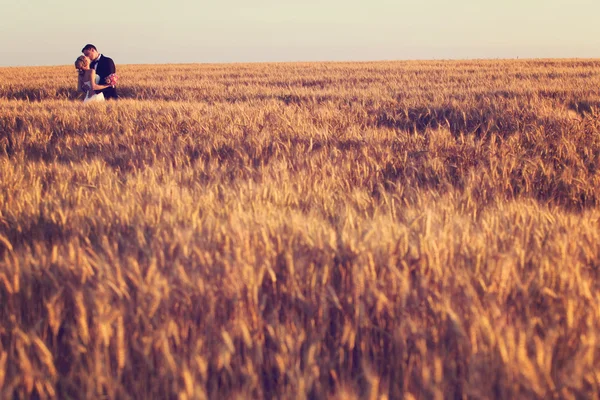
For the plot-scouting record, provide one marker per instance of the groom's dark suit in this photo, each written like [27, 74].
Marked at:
[105, 66]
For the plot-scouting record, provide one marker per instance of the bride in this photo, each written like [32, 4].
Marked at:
[88, 81]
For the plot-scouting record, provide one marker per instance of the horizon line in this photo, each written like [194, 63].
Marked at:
[330, 61]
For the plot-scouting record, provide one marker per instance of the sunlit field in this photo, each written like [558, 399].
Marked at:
[389, 230]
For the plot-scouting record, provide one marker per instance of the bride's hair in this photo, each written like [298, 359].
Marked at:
[82, 61]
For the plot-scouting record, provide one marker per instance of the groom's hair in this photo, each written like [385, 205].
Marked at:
[89, 47]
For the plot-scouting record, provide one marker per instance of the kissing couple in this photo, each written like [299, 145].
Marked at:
[97, 75]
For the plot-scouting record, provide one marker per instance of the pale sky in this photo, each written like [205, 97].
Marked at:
[52, 32]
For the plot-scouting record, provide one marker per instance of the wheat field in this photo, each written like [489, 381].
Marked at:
[376, 230]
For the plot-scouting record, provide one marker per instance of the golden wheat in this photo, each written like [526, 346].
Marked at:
[302, 230]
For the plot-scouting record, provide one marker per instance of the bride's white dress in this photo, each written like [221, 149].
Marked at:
[90, 95]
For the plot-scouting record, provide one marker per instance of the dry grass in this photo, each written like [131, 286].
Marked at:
[358, 230]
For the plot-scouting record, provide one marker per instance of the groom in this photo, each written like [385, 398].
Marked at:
[104, 66]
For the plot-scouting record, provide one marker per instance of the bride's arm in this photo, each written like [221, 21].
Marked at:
[80, 82]
[93, 81]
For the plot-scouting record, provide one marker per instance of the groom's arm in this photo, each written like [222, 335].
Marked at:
[110, 66]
